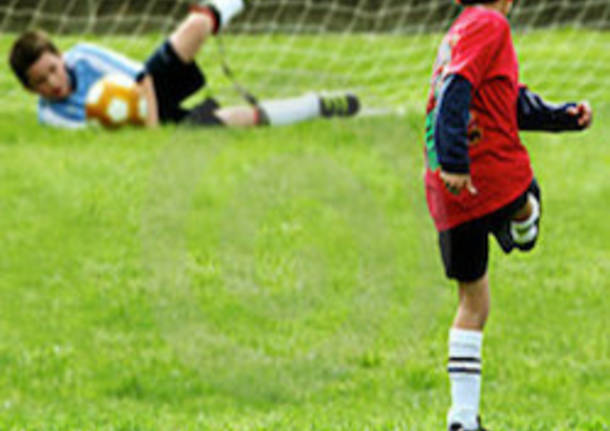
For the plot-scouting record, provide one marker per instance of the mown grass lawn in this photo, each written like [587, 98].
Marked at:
[282, 279]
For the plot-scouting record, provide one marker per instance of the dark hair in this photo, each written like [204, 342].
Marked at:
[26, 51]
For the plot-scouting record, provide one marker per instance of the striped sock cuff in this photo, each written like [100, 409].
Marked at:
[464, 365]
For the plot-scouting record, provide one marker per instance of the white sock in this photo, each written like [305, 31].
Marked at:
[288, 111]
[526, 231]
[227, 9]
[465, 376]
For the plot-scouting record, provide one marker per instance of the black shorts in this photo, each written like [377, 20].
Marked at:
[465, 248]
[175, 81]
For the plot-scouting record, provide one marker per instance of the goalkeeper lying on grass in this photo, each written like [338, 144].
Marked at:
[479, 178]
[167, 78]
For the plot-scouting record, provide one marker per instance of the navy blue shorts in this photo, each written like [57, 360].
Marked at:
[465, 248]
[175, 81]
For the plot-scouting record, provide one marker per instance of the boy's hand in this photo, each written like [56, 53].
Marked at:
[148, 91]
[455, 183]
[583, 112]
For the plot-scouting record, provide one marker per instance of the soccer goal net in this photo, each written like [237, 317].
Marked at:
[381, 49]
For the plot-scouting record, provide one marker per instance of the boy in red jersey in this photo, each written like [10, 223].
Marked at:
[479, 179]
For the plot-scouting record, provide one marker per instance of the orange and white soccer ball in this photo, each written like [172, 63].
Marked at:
[115, 101]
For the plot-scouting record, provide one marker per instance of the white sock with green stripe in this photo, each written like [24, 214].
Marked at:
[288, 111]
[465, 376]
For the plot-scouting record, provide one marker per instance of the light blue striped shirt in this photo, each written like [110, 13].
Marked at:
[87, 63]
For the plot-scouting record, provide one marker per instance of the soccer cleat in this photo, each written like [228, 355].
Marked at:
[345, 105]
[460, 427]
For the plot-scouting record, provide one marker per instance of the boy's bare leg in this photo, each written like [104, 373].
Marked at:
[239, 116]
[275, 112]
[465, 345]
[292, 110]
[191, 34]
[205, 19]
[474, 304]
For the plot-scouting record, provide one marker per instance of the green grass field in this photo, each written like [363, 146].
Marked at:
[284, 279]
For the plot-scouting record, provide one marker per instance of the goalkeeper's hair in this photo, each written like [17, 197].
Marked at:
[26, 51]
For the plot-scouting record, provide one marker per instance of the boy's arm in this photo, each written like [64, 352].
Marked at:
[450, 134]
[50, 118]
[107, 61]
[472, 53]
[147, 89]
[59, 115]
[533, 113]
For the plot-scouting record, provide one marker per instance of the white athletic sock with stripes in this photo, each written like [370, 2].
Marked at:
[465, 376]
[227, 9]
[525, 231]
[288, 111]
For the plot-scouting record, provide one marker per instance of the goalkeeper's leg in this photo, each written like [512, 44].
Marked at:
[205, 19]
[278, 112]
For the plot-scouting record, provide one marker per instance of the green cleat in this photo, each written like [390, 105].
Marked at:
[346, 105]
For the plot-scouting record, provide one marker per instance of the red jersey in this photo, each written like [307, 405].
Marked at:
[479, 48]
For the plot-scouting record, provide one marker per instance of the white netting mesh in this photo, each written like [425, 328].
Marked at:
[383, 49]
